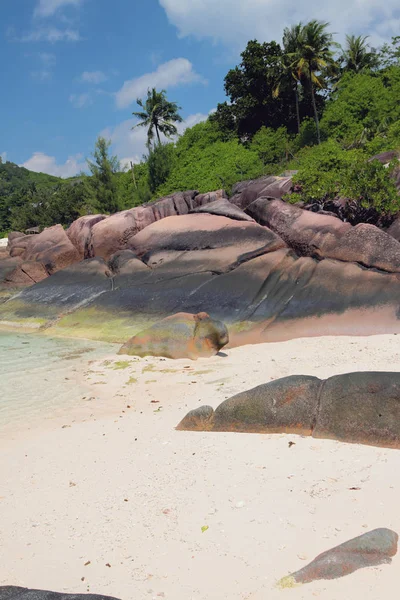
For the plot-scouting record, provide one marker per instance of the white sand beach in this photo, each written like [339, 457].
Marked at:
[105, 496]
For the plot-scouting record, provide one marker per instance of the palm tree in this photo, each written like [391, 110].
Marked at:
[290, 42]
[158, 114]
[313, 58]
[356, 55]
[291, 37]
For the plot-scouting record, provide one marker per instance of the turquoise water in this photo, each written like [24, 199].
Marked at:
[39, 375]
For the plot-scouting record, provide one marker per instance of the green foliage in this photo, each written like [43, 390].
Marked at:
[371, 184]
[327, 171]
[307, 135]
[61, 204]
[362, 103]
[320, 171]
[357, 55]
[103, 181]
[389, 54]
[17, 184]
[271, 145]
[160, 164]
[205, 163]
[250, 87]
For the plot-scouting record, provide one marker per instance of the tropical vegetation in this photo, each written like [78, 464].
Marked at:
[304, 105]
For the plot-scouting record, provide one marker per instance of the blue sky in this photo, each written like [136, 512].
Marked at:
[72, 69]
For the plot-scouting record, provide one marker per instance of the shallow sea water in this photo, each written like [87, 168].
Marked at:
[39, 375]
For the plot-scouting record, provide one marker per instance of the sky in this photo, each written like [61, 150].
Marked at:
[71, 70]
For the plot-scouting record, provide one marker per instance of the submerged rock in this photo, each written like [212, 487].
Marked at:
[180, 336]
[371, 549]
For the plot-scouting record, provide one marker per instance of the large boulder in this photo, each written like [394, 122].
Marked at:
[324, 236]
[80, 233]
[215, 240]
[246, 192]
[394, 229]
[308, 233]
[180, 336]
[114, 233]
[26, 273]
[223, 208]
[371, 549]
[13, 235]
[361, 408]
[283, 406]
[18, 593]
[52, 248]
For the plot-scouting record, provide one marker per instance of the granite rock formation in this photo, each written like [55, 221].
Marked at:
[269, 270]
[360, 407]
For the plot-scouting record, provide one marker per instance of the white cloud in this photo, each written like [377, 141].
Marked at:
[178, 71]
[93, 77]
[41, 75]
[3, 156]
[47, 59]
[42, 163]
[80, 100]
[130, 144]
[234, 22]
[47, 8]
[51, 34]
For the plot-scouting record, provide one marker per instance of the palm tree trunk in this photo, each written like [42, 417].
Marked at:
[158, 135]
[315, 110]
[296, 93]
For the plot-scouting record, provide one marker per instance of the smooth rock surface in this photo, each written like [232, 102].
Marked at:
[223, 208]
[113, 233]
[282, 406]
[180, 336]
[371, 549]
[362, 408]
[19, 593]
[80, 233]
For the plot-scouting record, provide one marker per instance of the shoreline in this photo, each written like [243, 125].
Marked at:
[112, 485]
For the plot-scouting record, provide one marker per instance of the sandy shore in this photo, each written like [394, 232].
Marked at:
[109, 498]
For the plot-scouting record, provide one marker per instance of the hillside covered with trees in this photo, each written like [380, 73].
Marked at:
[304, 104]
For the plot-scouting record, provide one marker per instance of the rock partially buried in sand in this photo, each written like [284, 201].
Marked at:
[19, 593]
[361, 408]
[183, 335]
[374, 548]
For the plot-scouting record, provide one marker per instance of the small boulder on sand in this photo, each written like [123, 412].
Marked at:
[374, 548]
[182, 335]
[18, 593]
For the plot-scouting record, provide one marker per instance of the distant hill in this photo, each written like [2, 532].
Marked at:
[13, 178]
[29, 199]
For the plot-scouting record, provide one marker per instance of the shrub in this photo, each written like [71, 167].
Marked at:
[328, 171]
[270, 144]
